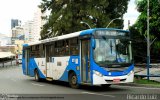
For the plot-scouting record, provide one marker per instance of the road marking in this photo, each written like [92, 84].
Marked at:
[98, 94]
[149, 88]
[37, 84]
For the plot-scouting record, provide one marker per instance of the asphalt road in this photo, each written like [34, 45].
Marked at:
[15, 85]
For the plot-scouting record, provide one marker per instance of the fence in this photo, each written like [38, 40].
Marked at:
[141, 70]
[8, 63]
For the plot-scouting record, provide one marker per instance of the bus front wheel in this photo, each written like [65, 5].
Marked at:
[36, 75]
[73, 81]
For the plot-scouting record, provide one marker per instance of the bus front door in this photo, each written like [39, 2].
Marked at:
[85, 61]
[27, 61]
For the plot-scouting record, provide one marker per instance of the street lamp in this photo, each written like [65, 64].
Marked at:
[82, 22]
[112, 21]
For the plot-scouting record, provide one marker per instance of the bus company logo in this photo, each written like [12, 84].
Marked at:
[109, 73]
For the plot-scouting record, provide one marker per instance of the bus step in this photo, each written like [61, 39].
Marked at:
[49, 79]
[84, 83]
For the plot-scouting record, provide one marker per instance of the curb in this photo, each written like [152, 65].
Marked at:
[140, 85]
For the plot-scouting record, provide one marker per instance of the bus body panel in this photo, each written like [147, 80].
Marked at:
[40, 63]
[55, 68]
[32, 66]
[74, 65]
[23, 67]
[59, 72]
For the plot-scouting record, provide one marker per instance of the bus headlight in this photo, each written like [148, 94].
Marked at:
[97, 73]
[130, 72]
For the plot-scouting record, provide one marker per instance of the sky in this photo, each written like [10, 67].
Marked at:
[131, 14]
[24, 11]
[15, 9]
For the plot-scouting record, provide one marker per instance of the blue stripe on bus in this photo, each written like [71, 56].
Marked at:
[71, 66]
[86, 32]
[31, 68]
[90, 31]
[25, 45]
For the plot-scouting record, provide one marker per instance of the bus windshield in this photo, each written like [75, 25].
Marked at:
[112, 50]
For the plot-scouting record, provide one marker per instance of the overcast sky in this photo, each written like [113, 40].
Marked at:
[131, 14]
[24, 10]
[15, 9]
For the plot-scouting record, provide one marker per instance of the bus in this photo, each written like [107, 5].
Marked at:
[100, 56]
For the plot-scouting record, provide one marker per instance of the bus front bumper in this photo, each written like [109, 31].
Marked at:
[98, 80]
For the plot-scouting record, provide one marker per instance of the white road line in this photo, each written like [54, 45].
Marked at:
[37, 84]
[149, 88]
[98, 94]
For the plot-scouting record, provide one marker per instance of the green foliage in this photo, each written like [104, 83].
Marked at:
[66, 15]
[146, 82]
[139, 30]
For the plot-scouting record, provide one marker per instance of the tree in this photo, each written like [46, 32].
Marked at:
[66, 15]
[139, 29]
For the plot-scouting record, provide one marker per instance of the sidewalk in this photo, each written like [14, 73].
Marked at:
[143, 71]
[153, 71]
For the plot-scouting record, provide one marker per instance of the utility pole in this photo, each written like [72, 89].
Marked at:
[128, 24]
[148, 41]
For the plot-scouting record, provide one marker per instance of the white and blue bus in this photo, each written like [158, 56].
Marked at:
[100, 56]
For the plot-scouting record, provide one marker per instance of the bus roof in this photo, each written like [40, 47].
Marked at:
[71, 35]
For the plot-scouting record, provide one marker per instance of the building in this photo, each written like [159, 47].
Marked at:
[28, 31]
[4, 40]
[8, 48]
[19, 46]
[15, 22]
[16, 33]
[38, 23]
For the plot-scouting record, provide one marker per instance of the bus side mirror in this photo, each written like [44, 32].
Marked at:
[93, 43]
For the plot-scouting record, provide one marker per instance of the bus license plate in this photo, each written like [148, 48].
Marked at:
[116, 80]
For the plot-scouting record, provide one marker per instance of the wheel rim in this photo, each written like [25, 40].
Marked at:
[74, 80]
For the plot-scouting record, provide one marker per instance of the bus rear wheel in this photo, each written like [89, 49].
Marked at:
[36, 76]
[73, 81]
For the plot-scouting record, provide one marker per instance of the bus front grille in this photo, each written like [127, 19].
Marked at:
[116, 69]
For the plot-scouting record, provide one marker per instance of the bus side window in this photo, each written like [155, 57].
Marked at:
[32, 50]
[58, 48]
[52, 52]
[66, 48]
[41, 50]
[35, 51]
[74, 46]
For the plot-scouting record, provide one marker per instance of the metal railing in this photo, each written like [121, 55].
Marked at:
[8, 63]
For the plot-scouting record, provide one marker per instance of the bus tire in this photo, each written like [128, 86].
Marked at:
[73, 81]
[36, 76]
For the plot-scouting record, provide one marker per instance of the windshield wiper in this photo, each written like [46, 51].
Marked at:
[111, 46]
